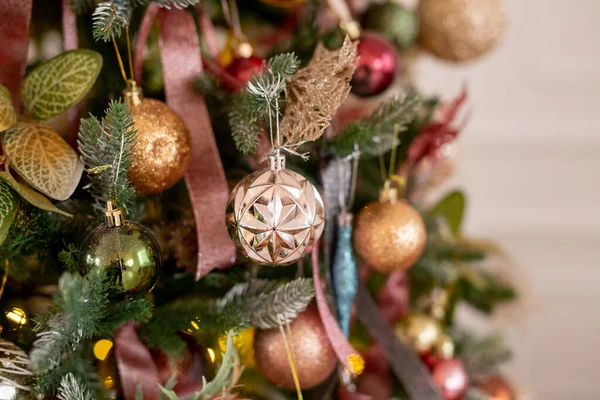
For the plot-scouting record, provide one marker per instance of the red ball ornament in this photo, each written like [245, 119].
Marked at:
[376, 67]
[452, 379]
[243, 69]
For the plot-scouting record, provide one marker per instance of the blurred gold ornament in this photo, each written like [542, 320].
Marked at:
[163, 147]
[315, 92]
[461, 30]
[444, 347]
[314, 357]
[497, 388]
[420, 331]
[389, 234]
[244, 344]
[275, 215]
[15, 318]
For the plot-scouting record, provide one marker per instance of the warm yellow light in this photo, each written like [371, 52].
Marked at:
[195, 325]
[102, 348]
[211, 354]
[17, 316]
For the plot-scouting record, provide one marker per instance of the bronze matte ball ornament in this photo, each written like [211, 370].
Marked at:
[314, 357]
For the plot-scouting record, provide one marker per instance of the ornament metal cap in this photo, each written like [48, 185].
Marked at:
[276, 162]
[133, 94]
[113, 216]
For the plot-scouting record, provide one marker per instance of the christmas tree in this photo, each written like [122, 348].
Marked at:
[230, 200]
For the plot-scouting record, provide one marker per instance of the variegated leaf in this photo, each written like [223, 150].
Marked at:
[8, 116]
[55, 85]
[43, 159]
[31, 196]
[8, 210]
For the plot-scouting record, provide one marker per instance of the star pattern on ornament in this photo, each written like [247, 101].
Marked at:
[274, 216]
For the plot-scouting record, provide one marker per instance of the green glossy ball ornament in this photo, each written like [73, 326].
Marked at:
[126, 252]
[397, 23]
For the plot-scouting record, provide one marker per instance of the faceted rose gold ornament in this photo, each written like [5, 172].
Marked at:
[275, 215]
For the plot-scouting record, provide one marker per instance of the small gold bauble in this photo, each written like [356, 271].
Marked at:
[420, 331]
[444, 347]
[497, 388]
[389, 236]
[314, 357]
[461, 30]
[163, 147]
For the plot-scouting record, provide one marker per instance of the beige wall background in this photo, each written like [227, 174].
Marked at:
[530, 167]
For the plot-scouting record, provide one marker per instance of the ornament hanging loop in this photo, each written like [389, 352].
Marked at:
[133, 94]
[277, 162]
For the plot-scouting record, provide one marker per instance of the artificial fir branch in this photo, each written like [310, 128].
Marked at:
[106, 150]
[110, 18]
[374, 134]
[72, 388]
[481, 356]
[257, 303]
[252, 107]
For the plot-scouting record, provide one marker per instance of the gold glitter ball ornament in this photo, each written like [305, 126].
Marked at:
[420, 331]
[163, 147]
[314, 357]
[461, 30]
[389, 235]
[275, 215]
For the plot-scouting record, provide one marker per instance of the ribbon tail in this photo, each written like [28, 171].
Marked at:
[405, 364]
[347, 355]
[71, 42]
[14, 31]
[142, 38]
[344, 276]
[205, 178]
[135, 364]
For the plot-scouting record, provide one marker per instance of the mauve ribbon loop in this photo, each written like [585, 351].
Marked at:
[205, 178]
[71, 42]
[14, 31]
[135, 364]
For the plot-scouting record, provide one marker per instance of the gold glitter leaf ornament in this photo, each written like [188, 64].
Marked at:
[43, 159]
[315, 92]
[55, 85]
[8, 116]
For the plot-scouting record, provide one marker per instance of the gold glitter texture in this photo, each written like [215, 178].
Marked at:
[389, 236]
[461, 30]
[314, 357]
[420, 331]
[314, 93]
[162, 151]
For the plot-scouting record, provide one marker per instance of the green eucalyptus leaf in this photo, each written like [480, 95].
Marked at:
[30, 195]
[8, 210]
[451, 208]
[8, 116]
[55, 85]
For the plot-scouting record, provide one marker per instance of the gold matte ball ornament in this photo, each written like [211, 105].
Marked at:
[314, 357]
[163, 147]
[461, 30]
[390, 234]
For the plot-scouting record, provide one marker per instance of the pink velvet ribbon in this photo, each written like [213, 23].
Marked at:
[15, 17]
[135, 364]
[205, 178]
[342, 348]
[71, 42]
